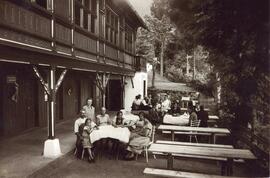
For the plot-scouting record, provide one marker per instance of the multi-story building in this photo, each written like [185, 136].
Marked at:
[54, 54]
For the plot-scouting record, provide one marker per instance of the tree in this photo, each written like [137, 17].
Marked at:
[236, 34]
[151, 43]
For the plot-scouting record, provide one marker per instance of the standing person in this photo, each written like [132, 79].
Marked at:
[89, 126]
[203, 116]
[89, 109]
[103, 118]
[192, 114]
[77, 129]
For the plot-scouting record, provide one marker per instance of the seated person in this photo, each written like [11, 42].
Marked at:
[77, 129]
[103, 118]
[89, 126]
[136, 103]
[144, 105]
[117, 146]
[118, 120]
[175, 110]
[166, 104]
[139, 137]
[104, 144]
[192, 115]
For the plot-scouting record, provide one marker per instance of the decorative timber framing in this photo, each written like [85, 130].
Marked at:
[102, 80]
[51, 91]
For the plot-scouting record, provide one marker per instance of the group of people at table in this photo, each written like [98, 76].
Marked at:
[135, 133]
[163, 107]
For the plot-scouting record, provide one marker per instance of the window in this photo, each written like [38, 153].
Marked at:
[128, 39]
[111, 26]
[122, 33]
[85, 14]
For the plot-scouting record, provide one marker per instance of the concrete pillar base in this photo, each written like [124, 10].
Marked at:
[52, 148]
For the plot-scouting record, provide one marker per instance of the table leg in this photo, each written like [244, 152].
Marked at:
[170, 161]
[172, 135]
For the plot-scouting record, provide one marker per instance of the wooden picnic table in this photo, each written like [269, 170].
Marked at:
[194, 130]
[227, 153]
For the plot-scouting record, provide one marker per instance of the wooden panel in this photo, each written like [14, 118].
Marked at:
[85, 43]
[121, 56]
[86, 90]
[111, 62]
[17, 36]
[16, 17]
[62, 8]
[111, 52]
[42, 106]
[85, 55]
[19, 115]
[62, 48]
[101, 49]
[128, 59]
[62, 34]
[70, 97]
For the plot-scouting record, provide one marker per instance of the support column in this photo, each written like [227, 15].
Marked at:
[52, 145]
[51, 133]
[104, 90]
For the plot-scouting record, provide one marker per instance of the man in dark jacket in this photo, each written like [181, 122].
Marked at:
[203, 116]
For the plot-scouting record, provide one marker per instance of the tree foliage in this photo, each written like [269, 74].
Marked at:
[236, 33]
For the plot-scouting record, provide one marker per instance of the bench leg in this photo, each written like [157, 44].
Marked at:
[170, 162]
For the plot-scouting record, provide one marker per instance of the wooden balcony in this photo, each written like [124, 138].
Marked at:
[29, 26]
[140, 63]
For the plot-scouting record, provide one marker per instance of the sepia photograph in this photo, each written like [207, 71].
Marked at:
[134, 89]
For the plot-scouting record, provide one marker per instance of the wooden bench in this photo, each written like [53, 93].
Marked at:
[179, 174]
[185, 133]
[187, 130]
[194, 144]
[225, 155]
[198, 145]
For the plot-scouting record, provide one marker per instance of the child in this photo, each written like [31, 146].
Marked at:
[87, 129]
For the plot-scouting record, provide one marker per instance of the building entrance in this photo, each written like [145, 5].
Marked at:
[114, 95]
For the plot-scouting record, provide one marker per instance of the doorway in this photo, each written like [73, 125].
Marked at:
[114, 97]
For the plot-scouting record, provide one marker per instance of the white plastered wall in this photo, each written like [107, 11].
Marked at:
[130, 92]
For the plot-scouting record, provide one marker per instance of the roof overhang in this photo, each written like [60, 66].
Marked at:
[129, 9]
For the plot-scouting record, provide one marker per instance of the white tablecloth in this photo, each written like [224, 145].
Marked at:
[176, 120]
[108, 131]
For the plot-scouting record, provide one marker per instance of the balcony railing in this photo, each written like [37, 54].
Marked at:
[32, 26]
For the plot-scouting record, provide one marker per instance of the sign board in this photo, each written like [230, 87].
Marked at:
[11, 79]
